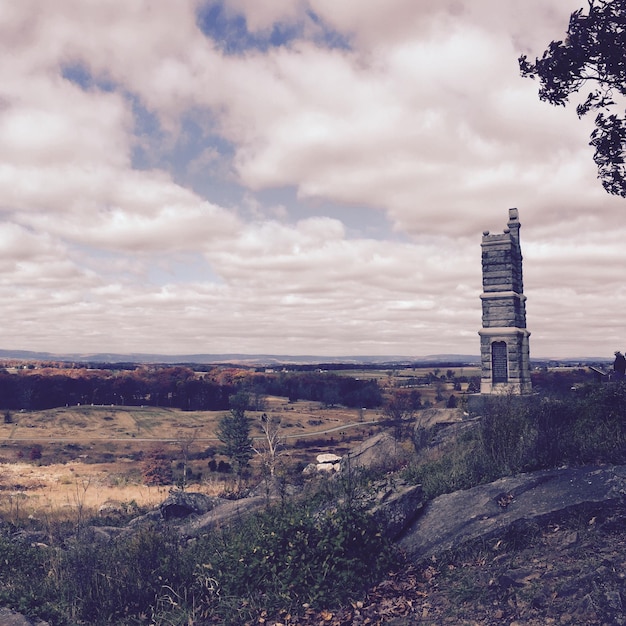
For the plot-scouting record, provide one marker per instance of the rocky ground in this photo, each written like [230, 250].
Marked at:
[573, 572]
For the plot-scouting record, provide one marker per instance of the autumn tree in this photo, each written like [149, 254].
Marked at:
[591, 57]
[156, 468]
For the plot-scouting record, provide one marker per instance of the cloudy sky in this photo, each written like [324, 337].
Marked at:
[292, 177]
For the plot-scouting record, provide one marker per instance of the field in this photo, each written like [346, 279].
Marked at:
[80, 457]
[90, 455]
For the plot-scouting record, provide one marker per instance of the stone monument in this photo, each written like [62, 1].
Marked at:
[504, 345]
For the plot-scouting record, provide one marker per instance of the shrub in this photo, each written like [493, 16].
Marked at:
[553, 421]
[156, 468]
[505, 433]
[24, 581]
[288, 556]
[529, 433]
[110, 583]
[461, 466]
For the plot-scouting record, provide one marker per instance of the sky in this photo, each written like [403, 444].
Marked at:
[294, 177]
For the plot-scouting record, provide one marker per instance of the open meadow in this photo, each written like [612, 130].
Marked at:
[82, 457]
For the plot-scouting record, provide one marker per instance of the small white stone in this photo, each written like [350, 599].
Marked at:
[328, 458]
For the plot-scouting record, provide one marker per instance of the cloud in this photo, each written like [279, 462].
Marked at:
[304, 177]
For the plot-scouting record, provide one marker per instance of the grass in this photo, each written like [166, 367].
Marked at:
[29, 492]
[104, 444]
[96, 422]
[289, 556]
[522, 434]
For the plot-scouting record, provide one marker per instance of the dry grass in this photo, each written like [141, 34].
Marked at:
[64, 490]
[113, 423]
[88, 451]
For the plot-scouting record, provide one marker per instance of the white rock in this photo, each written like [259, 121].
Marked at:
[328, 458]
[325, 467]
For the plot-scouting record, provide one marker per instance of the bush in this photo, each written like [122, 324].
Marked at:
[156, 468]
[461, 466]
[288, 556]
[100, 584]
[275, 560]
[506, 433]
[518, 434]
[24, 581]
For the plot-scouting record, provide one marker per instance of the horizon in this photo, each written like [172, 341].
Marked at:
[258, 358]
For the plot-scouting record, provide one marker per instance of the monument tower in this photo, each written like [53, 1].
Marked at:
[504, 346]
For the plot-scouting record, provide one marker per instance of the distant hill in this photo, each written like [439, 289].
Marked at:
[241, 359]
[273, 360]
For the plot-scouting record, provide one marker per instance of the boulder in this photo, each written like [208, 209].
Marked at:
[224, 511]
[514, 502]
[115, 508]
[380, 452]
[326, 463]
[103, 534]
[151, 517]
[397, 507]
[11, 618]
[310, 469]
[185, 503]
[328, 458]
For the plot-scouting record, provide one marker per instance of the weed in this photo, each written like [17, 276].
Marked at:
[519, 434]
[288, 556]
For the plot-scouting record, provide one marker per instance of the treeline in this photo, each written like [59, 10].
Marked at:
[176, 387]
[167, 387]
[329, 389]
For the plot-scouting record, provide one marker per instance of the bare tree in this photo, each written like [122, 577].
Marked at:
[270, 446]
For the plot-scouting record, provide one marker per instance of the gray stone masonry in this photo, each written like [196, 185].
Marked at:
[504, 345]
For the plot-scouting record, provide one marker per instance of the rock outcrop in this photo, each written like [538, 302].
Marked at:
[380, 452]
[224, 512]
[427, 418]
[396, 507]
[511, 504]
[179, 504]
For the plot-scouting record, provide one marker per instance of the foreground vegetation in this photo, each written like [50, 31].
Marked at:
[312, 552]
[586, 425]
[309, 553]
